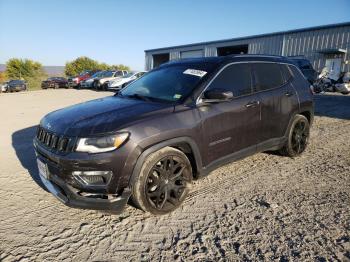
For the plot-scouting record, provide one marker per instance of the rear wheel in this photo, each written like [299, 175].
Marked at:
[164, 181]
[298, 137]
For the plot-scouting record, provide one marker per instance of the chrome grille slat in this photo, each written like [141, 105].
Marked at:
[53, 141]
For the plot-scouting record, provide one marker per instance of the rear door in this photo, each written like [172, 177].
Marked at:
[229, 127]
[277, 99]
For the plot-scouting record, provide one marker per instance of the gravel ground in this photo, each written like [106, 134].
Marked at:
[265, 207]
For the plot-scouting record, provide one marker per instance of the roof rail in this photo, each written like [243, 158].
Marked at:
[259, 55]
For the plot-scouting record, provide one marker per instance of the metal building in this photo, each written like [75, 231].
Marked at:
[327, 45]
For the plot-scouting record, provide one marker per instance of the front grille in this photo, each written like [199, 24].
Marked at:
[54, 141]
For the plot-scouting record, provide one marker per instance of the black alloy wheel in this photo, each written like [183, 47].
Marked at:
[298, 137]
[164, 181]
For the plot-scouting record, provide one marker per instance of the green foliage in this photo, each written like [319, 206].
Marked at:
[26, 69]
[23, 68]
[79, 65]
[120, 67]
[84, 63]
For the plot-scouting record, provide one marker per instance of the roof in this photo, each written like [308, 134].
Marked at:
[255, 36]
[228, 59]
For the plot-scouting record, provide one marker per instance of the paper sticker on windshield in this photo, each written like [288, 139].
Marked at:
[195, 72]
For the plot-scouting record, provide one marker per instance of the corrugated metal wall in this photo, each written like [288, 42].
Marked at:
[309, 43]
[304, 43]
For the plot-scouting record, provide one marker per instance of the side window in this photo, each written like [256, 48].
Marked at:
[235, 78]
[267, 76]
[286, 73]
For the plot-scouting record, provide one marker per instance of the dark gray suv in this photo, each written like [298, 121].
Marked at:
[176, 123]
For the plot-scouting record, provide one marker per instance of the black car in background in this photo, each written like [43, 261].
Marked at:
[54, 82]
[16, 85]
[306, 68]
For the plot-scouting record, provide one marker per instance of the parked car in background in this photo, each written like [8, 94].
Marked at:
[88, 83]
[107, 76]
[123, 81]
[75, 81]
[3, 87]
[54, 82]
[306, 67]
[173, 125]
[16, 85]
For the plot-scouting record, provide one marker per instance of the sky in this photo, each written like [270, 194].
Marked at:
[53, 32]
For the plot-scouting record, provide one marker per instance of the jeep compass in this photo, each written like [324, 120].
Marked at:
[174, 124]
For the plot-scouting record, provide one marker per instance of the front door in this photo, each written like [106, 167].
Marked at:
[230, 127]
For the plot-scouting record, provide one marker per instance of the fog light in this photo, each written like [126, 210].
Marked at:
[93, 178]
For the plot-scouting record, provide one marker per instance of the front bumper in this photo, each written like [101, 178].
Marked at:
[72, 198]
[72, 84]
[112, 197]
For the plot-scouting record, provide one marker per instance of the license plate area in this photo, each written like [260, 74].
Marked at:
[42, 167]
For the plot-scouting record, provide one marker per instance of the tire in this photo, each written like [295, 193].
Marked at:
[164, 181]
[298, 137]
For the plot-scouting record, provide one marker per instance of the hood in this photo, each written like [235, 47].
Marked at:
[104, 79]
[101, 116]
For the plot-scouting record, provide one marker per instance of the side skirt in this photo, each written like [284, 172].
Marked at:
[269, 145]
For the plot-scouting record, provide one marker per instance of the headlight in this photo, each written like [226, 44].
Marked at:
[101, 144]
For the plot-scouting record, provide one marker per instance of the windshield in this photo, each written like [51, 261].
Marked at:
[107, 74]
[97, 74]
[128, 75]
[168, 84]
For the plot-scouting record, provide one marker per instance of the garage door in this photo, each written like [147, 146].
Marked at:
[192, 53]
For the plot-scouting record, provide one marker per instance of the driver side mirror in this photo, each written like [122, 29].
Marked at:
[217, 95]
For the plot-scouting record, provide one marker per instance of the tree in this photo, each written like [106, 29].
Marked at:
[3, 77]
[79, 65]
[23, 68]
[120, 67]
[30, 71]
[84, 63]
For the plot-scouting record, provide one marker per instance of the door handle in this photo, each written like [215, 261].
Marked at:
[252, 104]
[288, 94]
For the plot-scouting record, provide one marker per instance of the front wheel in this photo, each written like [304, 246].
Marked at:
[164, 181]
[298, 137]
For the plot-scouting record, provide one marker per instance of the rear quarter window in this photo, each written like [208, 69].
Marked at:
[267, 76]
[287, 75]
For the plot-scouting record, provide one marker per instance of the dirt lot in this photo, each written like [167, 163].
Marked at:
[264, 207]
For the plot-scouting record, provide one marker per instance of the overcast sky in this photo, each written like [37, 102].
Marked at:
[54, 32]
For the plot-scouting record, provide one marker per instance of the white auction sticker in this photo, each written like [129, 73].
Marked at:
[195, 72]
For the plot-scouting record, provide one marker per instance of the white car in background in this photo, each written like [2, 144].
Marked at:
[100, 83]
[3, 87]
[123, 81]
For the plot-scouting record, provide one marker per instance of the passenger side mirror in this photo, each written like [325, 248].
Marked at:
[217, 95]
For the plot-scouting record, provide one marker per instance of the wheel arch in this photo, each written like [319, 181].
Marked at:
[184, 144]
